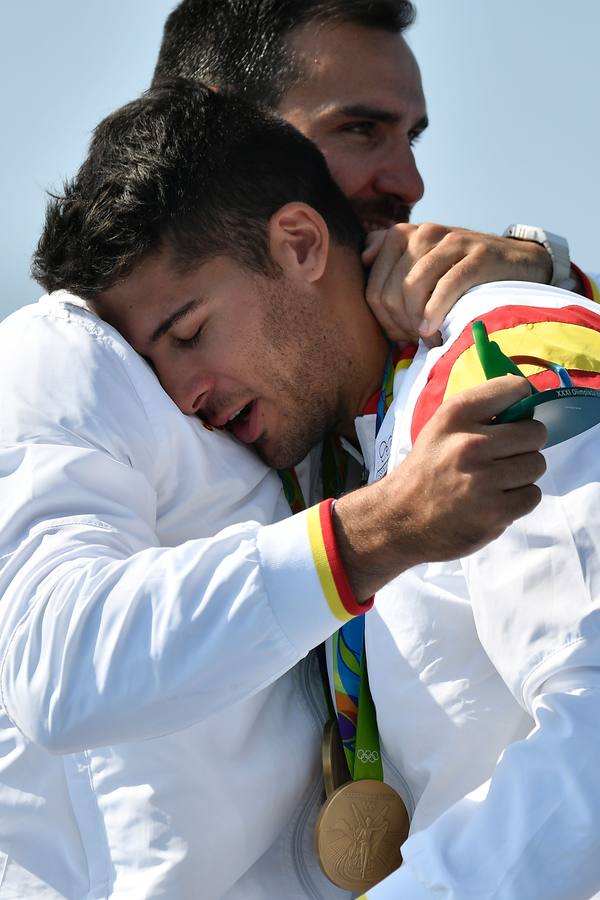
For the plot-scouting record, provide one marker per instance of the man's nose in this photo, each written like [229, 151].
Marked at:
[187, 390]
[400, 175]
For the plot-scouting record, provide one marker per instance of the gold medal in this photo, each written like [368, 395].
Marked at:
[335, 767]
[359, 832]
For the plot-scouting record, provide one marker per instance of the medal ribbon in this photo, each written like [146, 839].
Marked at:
[354, 705]
[355, 708]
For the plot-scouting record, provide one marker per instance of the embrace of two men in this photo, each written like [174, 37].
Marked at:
[161, 710]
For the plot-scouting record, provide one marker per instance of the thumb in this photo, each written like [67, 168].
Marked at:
[480, 404]
[373, 245]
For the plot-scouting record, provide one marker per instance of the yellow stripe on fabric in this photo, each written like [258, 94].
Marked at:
[317, 546]
[400, 371]
[571, 346]
[595, 289]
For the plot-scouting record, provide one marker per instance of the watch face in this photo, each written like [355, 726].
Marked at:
[565, 412]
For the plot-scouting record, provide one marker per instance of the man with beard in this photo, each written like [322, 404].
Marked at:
[250, 307]
[343, 74]
[159, 723]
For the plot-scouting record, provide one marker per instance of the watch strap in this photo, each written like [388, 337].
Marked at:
[556, 245]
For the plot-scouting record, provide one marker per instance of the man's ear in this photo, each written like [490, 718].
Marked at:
[299, 241]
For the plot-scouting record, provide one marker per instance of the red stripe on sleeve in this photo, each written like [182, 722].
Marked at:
[588, 291]
[340, 578]
[433, 393]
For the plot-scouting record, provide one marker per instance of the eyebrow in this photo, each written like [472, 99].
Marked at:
[175, 317]
[363, 111]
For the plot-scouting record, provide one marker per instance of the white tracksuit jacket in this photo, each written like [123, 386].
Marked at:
[159, 736]
[486, 671]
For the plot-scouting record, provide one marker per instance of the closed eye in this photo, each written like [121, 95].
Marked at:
[189, 342]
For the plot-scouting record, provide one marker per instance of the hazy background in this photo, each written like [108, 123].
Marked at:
[512, 90]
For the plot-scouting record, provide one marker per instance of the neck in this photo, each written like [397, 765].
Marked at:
[357, 340]
[365, 378]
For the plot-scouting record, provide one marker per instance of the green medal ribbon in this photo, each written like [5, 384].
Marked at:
[367, 755]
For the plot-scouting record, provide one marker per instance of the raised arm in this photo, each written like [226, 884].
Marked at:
[418, 272]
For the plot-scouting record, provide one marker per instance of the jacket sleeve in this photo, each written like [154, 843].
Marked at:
[589, 282]
[532, 830]
[105, 635]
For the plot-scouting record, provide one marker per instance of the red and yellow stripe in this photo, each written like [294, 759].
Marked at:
[569, 336]
[590, 288]
[334, 582]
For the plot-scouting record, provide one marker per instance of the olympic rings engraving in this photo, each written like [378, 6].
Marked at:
[367, 756]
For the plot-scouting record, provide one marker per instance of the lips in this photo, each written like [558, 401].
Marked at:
[243, 420]
[221, 416]
[247, 424]
[241, 414]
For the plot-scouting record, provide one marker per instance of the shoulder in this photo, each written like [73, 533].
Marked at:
[548, 324]
[69, 377]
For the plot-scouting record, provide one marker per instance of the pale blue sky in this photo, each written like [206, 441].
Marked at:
[512, 90]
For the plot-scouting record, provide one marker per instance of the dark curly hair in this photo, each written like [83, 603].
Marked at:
[243, 45]
[189, 168]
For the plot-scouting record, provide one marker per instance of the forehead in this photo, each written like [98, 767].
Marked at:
[350, 65]
[154, 292]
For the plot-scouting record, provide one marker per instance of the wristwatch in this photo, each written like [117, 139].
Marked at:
[556, 246]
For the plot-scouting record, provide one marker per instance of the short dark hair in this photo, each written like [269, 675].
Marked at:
[190, 169]
[243, 45]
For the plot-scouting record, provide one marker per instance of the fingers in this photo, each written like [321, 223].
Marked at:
[420, 271]
[517, 471]
[398, 313]
[464, 259]
[471, 414]
[508, 507]
[515, 504]
[373, 243]
[510, 440]
[434, 283]
[443, 278]
[471, 478]
[434, 340]
[524, 500]
[479, 405]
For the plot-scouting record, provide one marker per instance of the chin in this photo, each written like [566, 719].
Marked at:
[278, 457]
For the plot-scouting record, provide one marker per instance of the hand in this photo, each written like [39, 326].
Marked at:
[420, 271]
[463, 483]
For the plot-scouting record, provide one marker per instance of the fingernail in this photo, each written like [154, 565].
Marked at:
[424, 327]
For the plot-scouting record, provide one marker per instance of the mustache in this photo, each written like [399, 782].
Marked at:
[386, 208]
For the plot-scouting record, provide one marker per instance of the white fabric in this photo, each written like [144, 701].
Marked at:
[151, 742]
[498, 815]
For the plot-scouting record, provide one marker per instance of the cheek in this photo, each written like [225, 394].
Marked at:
[349, 169]
[172, 382]
[175, 373]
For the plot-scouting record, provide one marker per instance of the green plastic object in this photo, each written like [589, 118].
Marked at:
[565, 411]
[493, 361]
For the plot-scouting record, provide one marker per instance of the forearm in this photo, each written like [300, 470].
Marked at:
[363, 525]
[106, 636]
